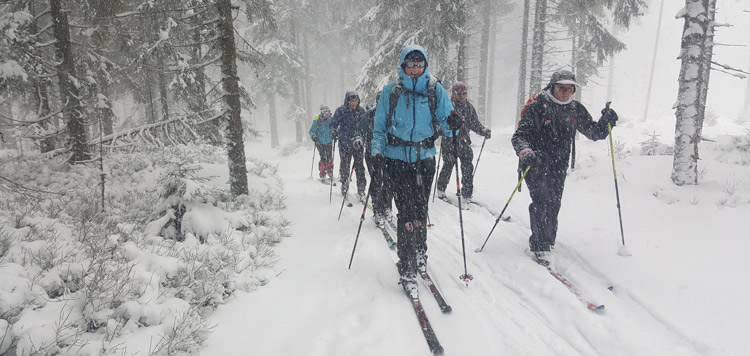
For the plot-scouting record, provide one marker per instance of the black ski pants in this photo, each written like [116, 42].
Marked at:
[359, 167]
[466, 156]
[380, 185]
[546, 190]
[411, 182]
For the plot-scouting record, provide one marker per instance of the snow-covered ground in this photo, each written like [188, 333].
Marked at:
[273, 264]
[682, 291]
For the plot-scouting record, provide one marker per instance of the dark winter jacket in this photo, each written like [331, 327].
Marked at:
[411, 120]
[349, 123]
[321, 128]
[470, 123]
[549, 128]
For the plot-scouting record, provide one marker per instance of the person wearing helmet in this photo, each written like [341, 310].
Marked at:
[543, 141]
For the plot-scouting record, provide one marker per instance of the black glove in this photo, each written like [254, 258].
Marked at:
[487, 133]
[358, 143]
[528, 157]
[454, 121]
[609, 116]
[335, 134]
[379, 157]
[315, 138]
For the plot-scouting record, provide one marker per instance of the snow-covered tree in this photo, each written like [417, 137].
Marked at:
[435, 25]
[695, 36]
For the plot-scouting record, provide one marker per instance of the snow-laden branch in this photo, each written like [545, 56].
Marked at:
[728, 68]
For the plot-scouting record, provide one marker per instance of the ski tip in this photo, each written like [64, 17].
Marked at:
[447, 309]
[595, 307]
[438, 350]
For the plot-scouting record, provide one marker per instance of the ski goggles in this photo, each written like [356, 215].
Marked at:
[412, 64]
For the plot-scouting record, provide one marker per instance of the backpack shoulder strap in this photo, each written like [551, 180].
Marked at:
[392, 102]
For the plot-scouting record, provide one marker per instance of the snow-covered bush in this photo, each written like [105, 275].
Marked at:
[652, 146]
[79, 279]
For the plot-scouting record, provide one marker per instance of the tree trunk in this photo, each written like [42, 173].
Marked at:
[306, 80]
[272, 120]
[491, 72]
[688, 107]
[297, 92]
[72, 111]
[708, 54]
[232, 107]
[461, 60]
[537, 46]
[41, 95]
[653, 62]
[522, 95]
[163, 94]
[199, 104]
[483, 59]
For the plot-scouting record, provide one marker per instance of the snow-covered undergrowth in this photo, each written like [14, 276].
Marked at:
[78, 280]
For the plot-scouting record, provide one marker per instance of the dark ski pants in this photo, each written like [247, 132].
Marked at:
[411, 182]
[466, 156]
[380, 186]
[359, 167]
[325, 165]
[546, 189]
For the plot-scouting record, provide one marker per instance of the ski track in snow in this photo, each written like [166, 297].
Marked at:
[513, 306]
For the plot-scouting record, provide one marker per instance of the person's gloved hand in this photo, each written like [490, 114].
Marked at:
[358, 143]
[314, 138]
[609, 116]
[528, 157]
[379, 156]
[487, 133]
[335, 134]
[454, 121]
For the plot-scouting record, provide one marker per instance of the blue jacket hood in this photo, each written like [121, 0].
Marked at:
[421, 84]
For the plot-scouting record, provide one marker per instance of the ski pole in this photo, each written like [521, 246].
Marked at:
[503, 211]
[479, 157]
[312, 165]
[346, 191]
[466, 277]
[622, 251]
[333, 155]
[361, 219]
[437, 174]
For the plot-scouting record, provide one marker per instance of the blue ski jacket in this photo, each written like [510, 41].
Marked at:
[321, 127]
[411, 120]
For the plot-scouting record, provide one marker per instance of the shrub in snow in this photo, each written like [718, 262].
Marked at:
[134, 279]
[653, 147]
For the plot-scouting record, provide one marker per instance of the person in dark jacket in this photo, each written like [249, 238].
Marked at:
[543, 141]
[349, 126]
[320, 133]
[404, 136]
[470, 120]
[381, 190]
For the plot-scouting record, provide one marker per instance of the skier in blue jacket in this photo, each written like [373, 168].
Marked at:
[404, 136]
[320, 133]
